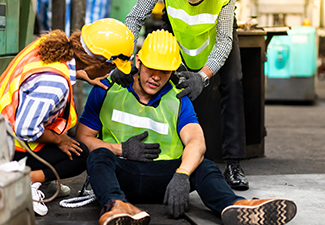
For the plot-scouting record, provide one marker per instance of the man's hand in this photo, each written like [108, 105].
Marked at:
[123, 79]
[177, 194]
[68, 145]
[135, 149]
[192, 84]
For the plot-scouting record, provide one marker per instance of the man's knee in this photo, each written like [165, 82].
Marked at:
[98, 155]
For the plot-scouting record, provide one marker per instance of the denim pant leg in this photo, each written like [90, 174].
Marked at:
[145, 182]
[126, 180]
[101, 166]
[211, 186]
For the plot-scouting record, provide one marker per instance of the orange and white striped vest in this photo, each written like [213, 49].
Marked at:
[25, 64]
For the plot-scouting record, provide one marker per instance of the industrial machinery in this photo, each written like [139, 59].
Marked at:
[16, 28]
[291, 64]
[16, 206]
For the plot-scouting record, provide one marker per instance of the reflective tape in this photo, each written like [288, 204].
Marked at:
[194, 52]
[140, 122]
[203, 18]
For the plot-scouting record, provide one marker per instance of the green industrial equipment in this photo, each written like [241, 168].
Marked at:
[120, 9]
[17, 19]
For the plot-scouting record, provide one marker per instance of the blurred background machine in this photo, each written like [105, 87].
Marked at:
[16, 31]
[292, 59]
[291, 65]
[16, 206]
[16, 28]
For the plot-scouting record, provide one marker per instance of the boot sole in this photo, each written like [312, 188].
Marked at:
[272, 212]
[141, 218]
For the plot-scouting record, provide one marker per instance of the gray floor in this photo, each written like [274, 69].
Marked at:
[293, 167]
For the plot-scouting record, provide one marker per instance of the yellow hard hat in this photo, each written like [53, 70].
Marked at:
[111, 39]
[160, 51]
[306, 22]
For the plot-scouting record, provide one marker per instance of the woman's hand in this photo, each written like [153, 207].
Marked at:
[82, 75]
[69, 145]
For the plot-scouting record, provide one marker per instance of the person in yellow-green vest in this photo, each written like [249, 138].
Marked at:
[208, 40]
[146, 146]
[36, 96]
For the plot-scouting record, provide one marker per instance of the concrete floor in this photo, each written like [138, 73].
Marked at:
[293, 167]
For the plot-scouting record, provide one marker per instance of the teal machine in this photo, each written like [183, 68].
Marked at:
[291, 65]
[16, 31]
[16, 28]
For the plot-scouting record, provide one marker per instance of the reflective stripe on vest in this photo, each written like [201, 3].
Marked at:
[194, 28]
[123, 116]
[25, 64]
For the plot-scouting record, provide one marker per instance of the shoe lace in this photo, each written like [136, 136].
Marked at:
[39, 194]
[237, 169]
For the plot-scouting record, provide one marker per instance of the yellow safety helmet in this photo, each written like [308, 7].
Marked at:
[109, 39]
[160, 51]
[306, 22]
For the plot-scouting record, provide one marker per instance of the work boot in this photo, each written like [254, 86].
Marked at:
[235, 177]
[259, 212]
[121, 213]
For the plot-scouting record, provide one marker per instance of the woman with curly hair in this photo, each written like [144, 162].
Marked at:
[36, 96]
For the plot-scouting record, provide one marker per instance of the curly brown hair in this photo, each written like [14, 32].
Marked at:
[57, 47]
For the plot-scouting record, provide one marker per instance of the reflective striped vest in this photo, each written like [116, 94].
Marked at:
[25, 64]
[123, 116]
[194, 28]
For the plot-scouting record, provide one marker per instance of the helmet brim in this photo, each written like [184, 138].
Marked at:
[124, 67]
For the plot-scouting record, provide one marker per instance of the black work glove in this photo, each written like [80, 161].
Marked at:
[123, 79]
[177, 194]
[192, 84]
[134, 149]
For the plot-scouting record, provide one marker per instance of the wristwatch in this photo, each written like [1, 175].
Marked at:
[204, 77]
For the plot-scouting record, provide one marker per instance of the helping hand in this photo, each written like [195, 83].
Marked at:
[134, 149]
[82, 75]
[193, 85]
[68, 145]
[123, 79]
[177, 194]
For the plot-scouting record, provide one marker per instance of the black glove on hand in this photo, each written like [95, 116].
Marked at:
[193, 85]
[134, 149]
[123, 79]
[177, 194]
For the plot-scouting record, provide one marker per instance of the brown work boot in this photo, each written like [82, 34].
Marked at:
[121, 213]
[259, 212]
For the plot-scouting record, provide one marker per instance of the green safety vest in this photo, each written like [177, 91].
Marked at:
[123, 116]
[194, 28]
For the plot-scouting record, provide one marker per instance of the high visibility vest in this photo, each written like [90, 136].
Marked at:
[194, 28]
[25, 64]
[123, 116]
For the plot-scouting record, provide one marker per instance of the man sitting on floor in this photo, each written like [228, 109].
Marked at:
[148, 147]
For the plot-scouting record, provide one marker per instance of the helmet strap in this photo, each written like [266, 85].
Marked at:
[139, 74]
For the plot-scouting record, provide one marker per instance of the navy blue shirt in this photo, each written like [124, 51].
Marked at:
[90, 115]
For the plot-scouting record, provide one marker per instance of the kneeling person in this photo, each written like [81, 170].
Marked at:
[148, 147]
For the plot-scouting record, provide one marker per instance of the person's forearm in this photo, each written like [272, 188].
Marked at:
[94, 143]
[89, 137]
[49, 137]
[193, 155]
[224, 39]
[136, 18]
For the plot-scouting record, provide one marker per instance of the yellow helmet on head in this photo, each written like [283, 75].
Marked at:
[109, 39]
[160, 51]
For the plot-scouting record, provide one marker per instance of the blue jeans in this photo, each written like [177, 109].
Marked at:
[145, 182]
